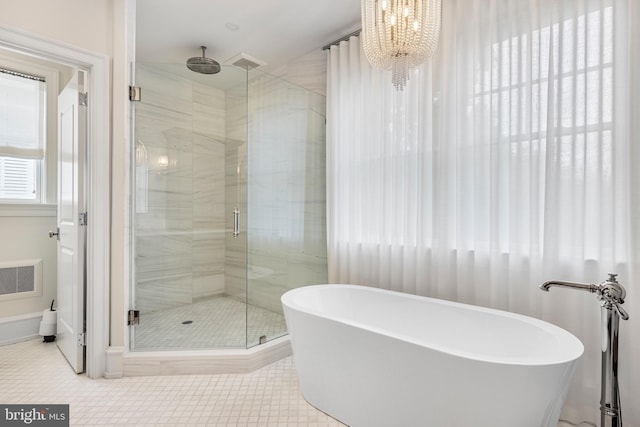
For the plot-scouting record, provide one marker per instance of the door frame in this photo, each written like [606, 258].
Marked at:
[98, 247]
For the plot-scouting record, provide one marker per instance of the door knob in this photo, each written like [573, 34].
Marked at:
[55, 233]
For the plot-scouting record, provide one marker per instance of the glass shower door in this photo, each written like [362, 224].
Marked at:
[286, 186]
[188, 267]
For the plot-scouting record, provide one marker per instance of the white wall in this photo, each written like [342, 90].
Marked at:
[26, 238]
[86, 24]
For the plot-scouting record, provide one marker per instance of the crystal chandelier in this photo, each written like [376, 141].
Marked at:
[400, 34]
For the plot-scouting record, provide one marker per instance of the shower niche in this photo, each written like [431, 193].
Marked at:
[228, 205]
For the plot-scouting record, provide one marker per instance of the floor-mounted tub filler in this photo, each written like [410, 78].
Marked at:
[372, 357]
[611, 295]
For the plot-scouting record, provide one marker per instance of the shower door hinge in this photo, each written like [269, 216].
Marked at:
[83, 99]
[133, 317]
[82, 339]
[82, 218]
[135, 93]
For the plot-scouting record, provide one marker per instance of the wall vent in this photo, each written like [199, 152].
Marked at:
[20, 279]
[245, 61]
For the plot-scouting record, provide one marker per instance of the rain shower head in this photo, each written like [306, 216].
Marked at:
[202, 64]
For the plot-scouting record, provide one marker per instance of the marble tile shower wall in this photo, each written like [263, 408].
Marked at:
[308, 71]
[180, 222]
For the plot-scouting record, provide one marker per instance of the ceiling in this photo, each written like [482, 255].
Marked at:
[273, 31]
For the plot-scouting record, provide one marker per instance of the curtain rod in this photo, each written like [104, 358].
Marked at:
[336, 42]
[23, 75]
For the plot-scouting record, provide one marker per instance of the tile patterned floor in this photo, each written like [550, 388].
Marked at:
[33, 372]
[218, 322]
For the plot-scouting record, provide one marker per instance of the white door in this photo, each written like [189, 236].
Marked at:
[71, 244]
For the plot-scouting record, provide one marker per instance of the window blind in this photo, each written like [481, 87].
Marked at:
[22, 112]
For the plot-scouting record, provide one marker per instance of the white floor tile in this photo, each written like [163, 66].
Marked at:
[34, 372]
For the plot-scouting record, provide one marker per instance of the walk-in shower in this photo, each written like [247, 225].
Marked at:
[228, 212]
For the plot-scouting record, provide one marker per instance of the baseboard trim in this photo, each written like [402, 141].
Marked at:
[114, 362]
[231, 361]
[19, 328]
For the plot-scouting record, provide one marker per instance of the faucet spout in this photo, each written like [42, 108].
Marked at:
[580, 286]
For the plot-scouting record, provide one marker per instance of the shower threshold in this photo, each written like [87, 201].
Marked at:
[206, 362]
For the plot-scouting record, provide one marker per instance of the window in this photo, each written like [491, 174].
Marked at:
[22, 136]
[549, 96]
[516, 85]
[19, 179]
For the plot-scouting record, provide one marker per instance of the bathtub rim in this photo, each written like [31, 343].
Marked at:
[575, 347]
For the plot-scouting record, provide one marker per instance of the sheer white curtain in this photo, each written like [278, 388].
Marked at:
[509, 159]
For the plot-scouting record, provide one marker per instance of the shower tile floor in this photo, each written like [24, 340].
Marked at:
[33, 372]
[216, 322]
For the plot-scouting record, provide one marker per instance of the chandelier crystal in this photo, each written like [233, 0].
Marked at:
[398, 35]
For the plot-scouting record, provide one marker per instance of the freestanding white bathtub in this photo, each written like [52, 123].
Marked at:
[371, 357]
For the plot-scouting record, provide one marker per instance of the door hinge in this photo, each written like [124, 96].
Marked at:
[83, 99]
[133, 317]
[82, 339]
[135, 93]
[83, 218]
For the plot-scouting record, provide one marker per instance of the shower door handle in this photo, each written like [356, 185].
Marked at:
[236, 222]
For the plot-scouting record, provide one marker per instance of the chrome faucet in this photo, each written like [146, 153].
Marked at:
[611, 295]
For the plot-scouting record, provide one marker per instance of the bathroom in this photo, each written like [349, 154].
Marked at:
[109, 28]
